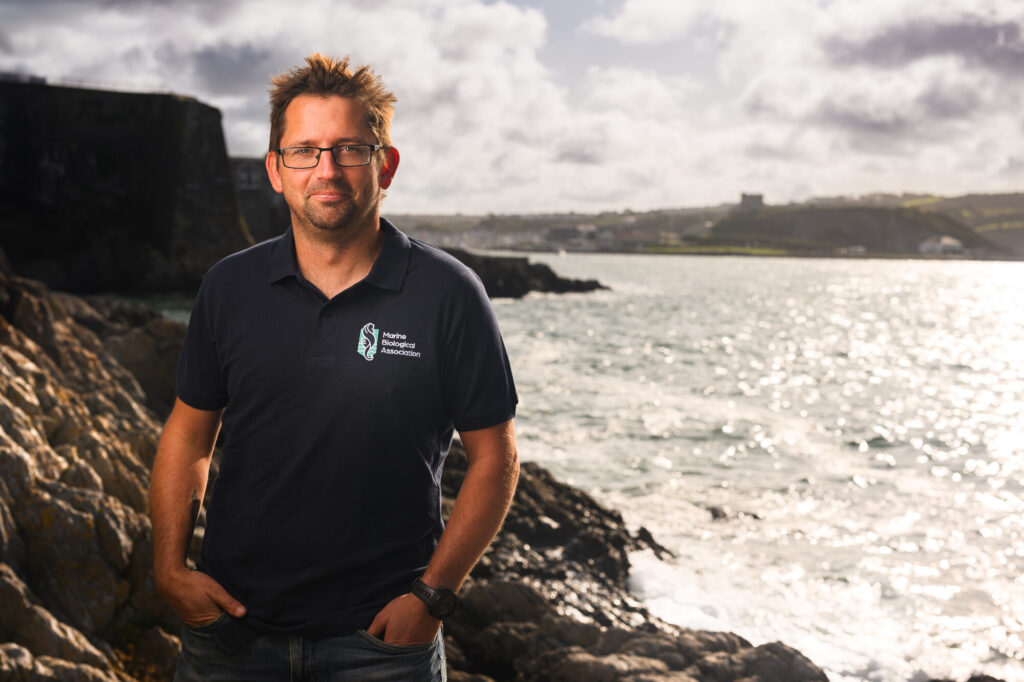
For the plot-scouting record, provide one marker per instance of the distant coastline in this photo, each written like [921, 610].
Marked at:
[765, 252]
[973, 227]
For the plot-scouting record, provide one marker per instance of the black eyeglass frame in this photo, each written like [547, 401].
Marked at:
[319, 150]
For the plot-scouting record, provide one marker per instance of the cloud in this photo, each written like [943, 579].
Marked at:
[978, 41]
[229, 68]
[670, 104]
[1014, 166]
[649, 21]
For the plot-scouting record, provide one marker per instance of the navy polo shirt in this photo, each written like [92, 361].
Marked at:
[338, 416]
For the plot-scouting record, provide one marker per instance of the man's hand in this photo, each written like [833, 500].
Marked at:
[405, 621]
[197, 598]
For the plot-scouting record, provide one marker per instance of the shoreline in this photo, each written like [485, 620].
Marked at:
[768, 253]
[549, 600]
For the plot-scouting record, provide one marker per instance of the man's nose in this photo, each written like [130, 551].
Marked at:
[326, 166]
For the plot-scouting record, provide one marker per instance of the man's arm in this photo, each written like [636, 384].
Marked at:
[178, 483]
[479, 509]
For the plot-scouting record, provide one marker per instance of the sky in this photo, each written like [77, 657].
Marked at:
[536, 106]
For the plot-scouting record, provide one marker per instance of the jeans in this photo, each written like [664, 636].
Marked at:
[211, 653]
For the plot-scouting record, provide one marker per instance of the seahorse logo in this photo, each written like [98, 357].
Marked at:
[368, 341]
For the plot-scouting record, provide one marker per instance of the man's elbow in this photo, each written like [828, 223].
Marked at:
[512, 469]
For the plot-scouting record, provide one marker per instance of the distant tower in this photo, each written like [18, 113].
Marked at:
[751, 202]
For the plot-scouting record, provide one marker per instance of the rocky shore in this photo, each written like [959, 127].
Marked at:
[515, 276]
[83, 384]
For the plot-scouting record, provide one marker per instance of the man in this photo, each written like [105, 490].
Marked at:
[339, 357]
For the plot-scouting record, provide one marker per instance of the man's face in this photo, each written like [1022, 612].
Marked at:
[329, 197]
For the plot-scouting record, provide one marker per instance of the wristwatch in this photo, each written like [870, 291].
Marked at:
[440, 602]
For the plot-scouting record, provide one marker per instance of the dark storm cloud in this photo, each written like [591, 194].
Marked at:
[232, 68]
[225, 68]
[942, 102]
[919, 116]
[864, 120]
[995, 46]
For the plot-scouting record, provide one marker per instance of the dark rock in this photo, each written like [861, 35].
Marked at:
[105, 316]
[25, 621]
[776, 662]
[160, 651]
[17, 664]
[66, 561]
[150, 352]
[724, 514]
[574, 663]
[514, 277]
[457, 675]
[12, 546]
[114, 191]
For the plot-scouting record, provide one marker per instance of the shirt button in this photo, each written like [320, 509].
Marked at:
[328, 313]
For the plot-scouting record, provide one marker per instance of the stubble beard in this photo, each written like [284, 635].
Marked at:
[335, 219]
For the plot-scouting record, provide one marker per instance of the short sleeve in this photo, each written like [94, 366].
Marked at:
[477, 386]
[200, 379]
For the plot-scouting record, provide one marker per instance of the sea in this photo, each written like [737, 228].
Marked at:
[833, 449]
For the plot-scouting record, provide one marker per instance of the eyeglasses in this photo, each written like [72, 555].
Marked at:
[344, 155]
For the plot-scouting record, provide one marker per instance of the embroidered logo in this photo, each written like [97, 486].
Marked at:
[368, 341]
[391, 343]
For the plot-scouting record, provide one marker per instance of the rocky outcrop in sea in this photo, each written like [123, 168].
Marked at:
[81, 384]
[516, 276]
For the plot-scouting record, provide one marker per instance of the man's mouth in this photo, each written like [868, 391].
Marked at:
[328, 195]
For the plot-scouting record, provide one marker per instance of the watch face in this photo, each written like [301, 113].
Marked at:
[445, 604]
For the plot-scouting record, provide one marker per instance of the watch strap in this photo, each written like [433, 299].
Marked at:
[440, 602]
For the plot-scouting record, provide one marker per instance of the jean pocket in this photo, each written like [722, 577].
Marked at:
[209, 627]
[381, 645]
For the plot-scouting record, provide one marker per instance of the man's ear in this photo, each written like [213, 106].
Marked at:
[388, 168]
[274, 173]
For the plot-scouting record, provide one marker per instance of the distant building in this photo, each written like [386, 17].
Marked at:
[941, 245]
[751, 202]
[16, 77]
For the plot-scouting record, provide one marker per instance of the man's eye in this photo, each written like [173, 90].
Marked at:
[302, 151]
[349, 149]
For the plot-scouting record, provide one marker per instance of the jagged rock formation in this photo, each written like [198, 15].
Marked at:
[77, 600]
[514, 277]
[113, 191]
[76, 446]
[549, 601]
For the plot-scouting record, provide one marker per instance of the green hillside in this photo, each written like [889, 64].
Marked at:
[830, 229]
[999, 218]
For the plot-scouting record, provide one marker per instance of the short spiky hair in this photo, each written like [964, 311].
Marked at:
[323, 76]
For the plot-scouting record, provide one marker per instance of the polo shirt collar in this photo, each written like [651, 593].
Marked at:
[388, 271]
[282, 258]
